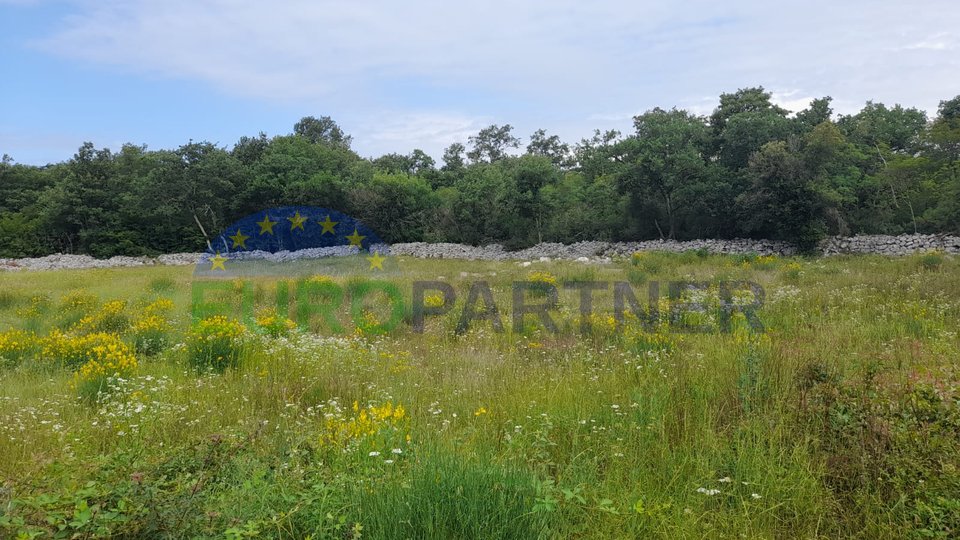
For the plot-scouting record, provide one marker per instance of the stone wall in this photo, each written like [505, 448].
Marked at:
[582, 251]
[904, 244]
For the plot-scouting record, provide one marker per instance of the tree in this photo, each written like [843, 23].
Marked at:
[492, 143]
[944, 148]
[398, 206]
[550, 147]
[817, 113]
[530, 175]
[187, 195]
[578, 208]
[322, 130]
[664, 157]
[949, 110]
[416, 162]
[249, 149]
[944, 135]
[598, 155]
[453, 157]
[745, 100]
[782, 203]
[83, 209]
[876, 126]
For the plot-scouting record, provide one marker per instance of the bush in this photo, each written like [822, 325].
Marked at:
[15, 345]
[149, 334]
[274, 325]
[447, 496]
[72, 351]
[106, 361]
[792, 271]
[111, 317]
[931, 261]
[216, 343]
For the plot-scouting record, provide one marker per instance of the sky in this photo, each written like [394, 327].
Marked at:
[427, 73]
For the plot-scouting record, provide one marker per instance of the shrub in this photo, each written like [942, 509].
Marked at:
[8, 298]
[449, 496]
[16, 345]
[111, 317]
[792, 271]
[374, 426]
[216, 343]
[32, 313]
[650, 263]
[72, 351]
[159, 306]
[78, 300]
[274, 325]
[636, 276]
[107, 359]
[161, 284]
[541, 282]
[765, 262]
[149, 334]
[433, 300]
[931, 261]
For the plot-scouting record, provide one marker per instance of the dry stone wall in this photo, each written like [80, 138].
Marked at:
[580, 251]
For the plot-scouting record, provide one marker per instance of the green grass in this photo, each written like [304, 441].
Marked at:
[842, 420]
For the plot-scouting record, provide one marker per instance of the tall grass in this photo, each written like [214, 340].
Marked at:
[840, 421]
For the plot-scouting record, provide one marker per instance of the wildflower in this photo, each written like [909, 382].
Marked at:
[365, 423]
[216, 342]
[274, 325]
[321, 279]
[433, 300]
[725, 480]
[755, 496]
[543, 278]
[480, 411]
[111, 317]
[158, 306]
[708, 492]
[374, 454]
[397, 451]
[78, 299]
[15, 345]
[149, 334]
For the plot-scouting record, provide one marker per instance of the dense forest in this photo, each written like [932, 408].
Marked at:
[750, 169]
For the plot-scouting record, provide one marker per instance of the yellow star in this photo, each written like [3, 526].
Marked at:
[327, 226]
[217, 262]
[376, 261]
[239, 240]
[355, 239]
[266, 226]
[296, 222]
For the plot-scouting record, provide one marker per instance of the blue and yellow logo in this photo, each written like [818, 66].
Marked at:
[294, 240]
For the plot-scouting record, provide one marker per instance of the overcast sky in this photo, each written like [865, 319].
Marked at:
[423, 74]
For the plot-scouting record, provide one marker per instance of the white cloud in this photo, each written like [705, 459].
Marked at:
[938, 42]
[401, 132]
[791, 100]
[428, 72]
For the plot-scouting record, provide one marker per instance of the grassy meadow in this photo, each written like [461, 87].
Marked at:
[123, 416]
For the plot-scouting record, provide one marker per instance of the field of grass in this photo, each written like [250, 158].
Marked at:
[122, 416]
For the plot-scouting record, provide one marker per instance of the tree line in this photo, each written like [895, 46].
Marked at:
[750, 169]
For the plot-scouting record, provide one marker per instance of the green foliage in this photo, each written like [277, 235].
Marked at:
[749, 169]
[215, 344]
[448, 496]
[931, 261]
[893, 446]
[839, 422]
